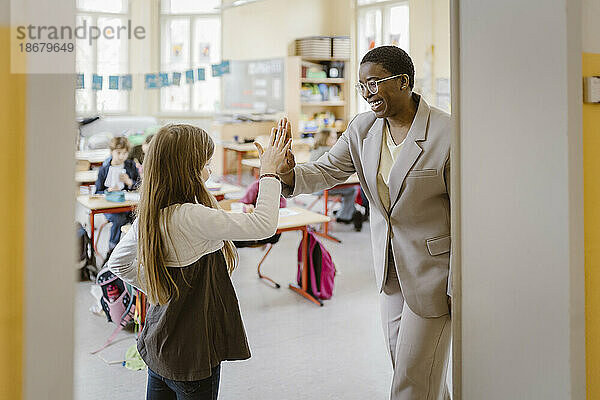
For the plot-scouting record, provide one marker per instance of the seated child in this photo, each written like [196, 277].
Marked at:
[325, 138]
[117, 173]
[138, 153]
[252, 194]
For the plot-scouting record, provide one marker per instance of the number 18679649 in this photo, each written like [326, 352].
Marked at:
[40, 47]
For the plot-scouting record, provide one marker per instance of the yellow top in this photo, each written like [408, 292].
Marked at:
[389, 155]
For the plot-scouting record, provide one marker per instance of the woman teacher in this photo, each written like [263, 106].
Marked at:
[401, 153]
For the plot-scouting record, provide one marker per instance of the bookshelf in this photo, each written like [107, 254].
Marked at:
[300, 105]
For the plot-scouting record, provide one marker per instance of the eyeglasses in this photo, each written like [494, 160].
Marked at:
[373, 86]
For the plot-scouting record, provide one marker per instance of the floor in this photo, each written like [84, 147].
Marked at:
[299, 350]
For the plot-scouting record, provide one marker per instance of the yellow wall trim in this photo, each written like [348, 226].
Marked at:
[12, 217]
[591, 178]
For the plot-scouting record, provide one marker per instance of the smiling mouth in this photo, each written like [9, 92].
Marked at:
[375, 104]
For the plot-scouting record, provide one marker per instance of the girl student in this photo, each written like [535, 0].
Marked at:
[179, 252]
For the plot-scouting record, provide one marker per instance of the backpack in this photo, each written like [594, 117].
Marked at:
[321, 272]
[118, 302]
[85, 255]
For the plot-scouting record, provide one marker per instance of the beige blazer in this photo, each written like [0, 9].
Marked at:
[417, 225]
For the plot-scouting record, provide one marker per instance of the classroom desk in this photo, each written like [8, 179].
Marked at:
[222, 189]
[94, 157]
[297, 222]
[99, 205]
[240, 149]
[351, 181]
[86, 178]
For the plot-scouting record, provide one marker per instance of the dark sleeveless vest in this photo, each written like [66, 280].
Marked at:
[187, 337]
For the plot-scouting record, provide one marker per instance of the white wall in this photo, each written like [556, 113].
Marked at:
[267, 29]
[591, 26]
[521, 200]
[50, 237]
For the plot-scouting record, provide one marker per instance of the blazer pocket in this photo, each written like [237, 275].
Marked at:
[422, 172]
[438, 245]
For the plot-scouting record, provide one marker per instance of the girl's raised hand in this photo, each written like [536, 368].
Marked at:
[275, 152]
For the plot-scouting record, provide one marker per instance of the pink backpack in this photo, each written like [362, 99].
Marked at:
[321, 272]
[118, 302]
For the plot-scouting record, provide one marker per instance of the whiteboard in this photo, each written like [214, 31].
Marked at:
[254, 86]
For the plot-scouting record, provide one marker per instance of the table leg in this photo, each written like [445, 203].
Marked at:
[325, 234]
[239, 167]
[303, 291]
[142, 299]
[92, 214]
[224, 162]
[326, 224]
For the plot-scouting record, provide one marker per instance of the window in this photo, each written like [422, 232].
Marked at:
[190, 39]
[381, 22]
[102, 56]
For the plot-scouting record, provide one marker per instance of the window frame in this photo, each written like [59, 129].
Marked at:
[384, 7]
[163, 17]
[94, 15]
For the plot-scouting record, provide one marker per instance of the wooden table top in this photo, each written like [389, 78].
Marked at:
[251, 162]
[244, 147]
[93, 156]
[301, 158]
[224, 188]
[299, 217]
[86, 176]
[99, 202]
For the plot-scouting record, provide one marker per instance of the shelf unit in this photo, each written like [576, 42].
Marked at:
[323, 103]
[322, 80]
[295, 107]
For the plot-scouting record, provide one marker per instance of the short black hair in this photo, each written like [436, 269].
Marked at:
[395, 60]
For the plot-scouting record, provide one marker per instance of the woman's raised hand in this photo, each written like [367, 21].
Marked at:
[289, 162]
[275, 152]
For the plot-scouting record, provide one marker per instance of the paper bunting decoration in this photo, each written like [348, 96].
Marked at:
[126, 82]
[201, 74]
[79, 84]
[176, 79]
[224, 67]
[96, 82]
[189, 76]
[220, 69]
[113, 82]
[151, 81]
[163, 79]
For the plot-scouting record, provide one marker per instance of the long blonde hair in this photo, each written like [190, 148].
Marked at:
[172, 175]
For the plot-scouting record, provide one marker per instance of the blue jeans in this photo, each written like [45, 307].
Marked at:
[348, 195]
[160, 388]
[117, 220]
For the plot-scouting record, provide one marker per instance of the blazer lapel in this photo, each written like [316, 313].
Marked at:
[410, 152]
[371, 156]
